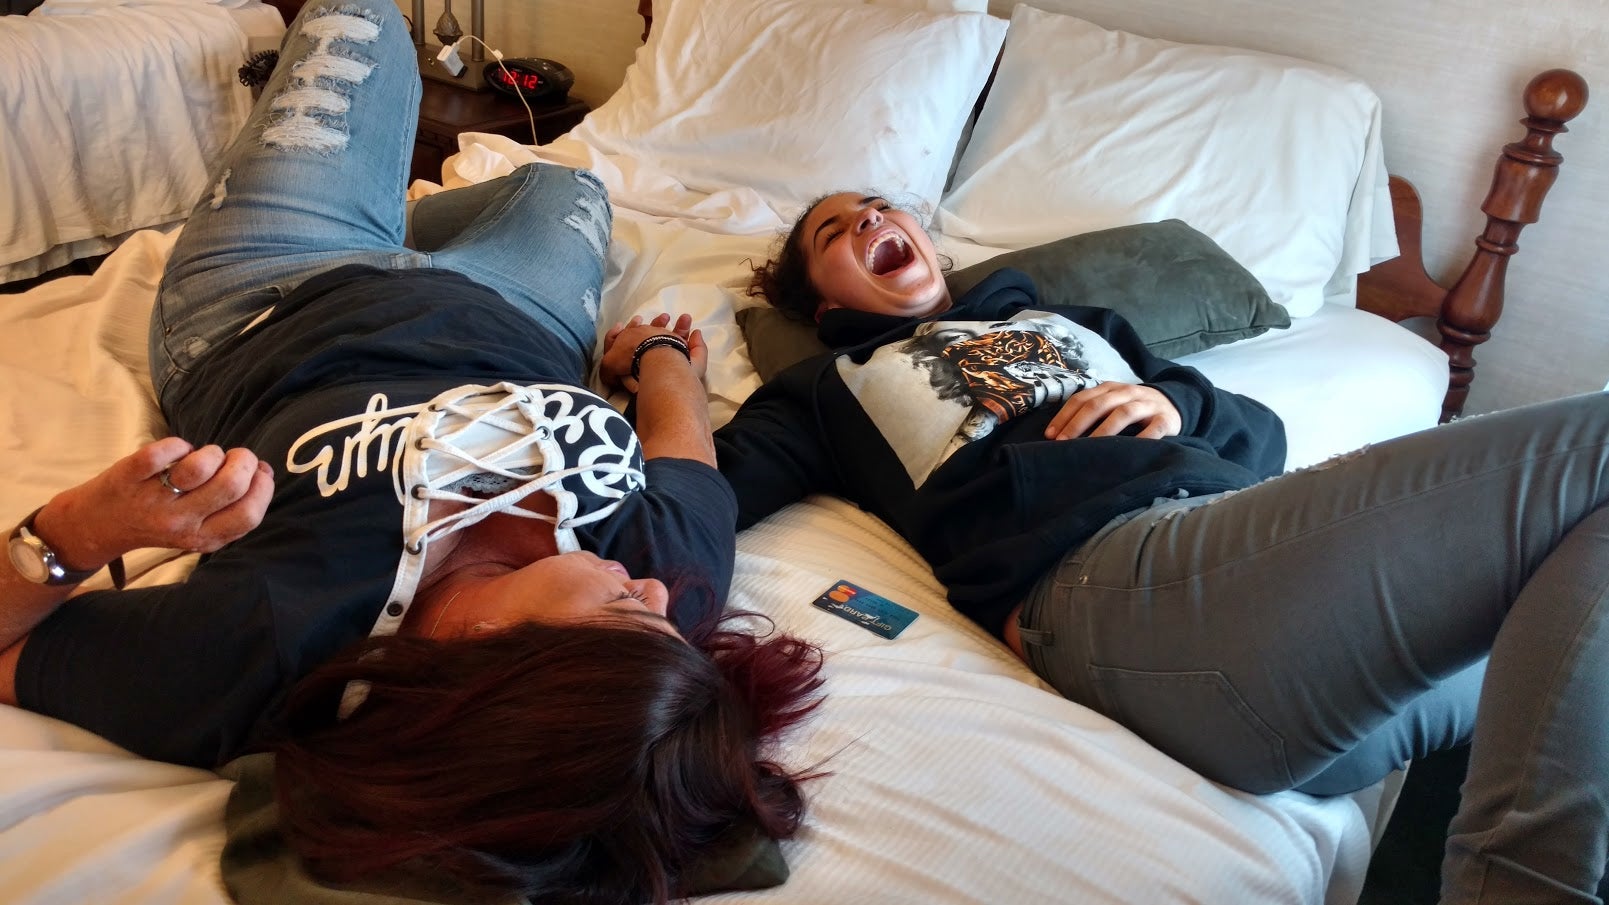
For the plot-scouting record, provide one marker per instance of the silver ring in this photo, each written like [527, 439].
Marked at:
[166, 477]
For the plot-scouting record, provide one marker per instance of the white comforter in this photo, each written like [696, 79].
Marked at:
[955, 776]
[111, 112]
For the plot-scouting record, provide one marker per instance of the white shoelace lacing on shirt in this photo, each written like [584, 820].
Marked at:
[524, 431]
[519, 436]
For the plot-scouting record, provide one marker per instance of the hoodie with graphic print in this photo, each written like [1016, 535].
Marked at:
[937, 427]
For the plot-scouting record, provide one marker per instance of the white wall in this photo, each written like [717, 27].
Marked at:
[594, 38]
[1450, 77]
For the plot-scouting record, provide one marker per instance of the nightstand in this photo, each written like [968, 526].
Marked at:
[445, 111]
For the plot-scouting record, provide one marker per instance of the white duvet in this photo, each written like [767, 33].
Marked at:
[955, 776]
[111, 112]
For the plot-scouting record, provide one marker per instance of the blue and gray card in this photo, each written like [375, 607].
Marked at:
[872, 612]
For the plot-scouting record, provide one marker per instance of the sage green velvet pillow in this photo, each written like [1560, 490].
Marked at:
[258, 868]
[1180, 291]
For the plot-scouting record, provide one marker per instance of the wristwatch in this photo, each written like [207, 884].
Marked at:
[34, 560]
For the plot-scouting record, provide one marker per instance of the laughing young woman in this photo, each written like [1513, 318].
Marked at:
[1109, 515]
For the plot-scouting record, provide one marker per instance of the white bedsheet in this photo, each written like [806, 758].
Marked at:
[113, 111]
[955, 776]
[1339, 379]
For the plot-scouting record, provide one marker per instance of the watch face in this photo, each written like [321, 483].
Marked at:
[28, 558]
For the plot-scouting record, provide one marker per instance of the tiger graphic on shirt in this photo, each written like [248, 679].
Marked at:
[955, 382]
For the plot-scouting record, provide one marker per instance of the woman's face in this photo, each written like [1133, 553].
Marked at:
[568, 588]
[861, 253]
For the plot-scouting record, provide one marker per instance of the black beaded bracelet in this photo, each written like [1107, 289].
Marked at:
[661, 339]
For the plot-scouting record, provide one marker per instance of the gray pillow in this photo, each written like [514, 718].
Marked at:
[258, 868]
[1180, 291]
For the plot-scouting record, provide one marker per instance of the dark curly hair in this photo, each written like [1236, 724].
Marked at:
[783, 280]
[574, 764]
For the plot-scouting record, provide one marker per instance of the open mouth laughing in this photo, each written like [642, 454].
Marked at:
[887, 253]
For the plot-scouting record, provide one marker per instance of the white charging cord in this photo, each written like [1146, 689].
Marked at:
[497, 55]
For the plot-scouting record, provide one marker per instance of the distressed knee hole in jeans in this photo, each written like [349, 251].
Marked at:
[591, 218]
[221, 190]
[310, 112]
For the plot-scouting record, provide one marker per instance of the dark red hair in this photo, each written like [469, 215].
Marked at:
[568, 763]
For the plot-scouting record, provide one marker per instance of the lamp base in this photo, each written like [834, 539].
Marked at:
[473, 78]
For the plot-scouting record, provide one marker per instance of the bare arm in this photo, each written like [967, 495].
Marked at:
[672, 411]
[127, 507]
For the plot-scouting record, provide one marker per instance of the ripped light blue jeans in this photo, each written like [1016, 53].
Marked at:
[316, 180]
[1320, 629]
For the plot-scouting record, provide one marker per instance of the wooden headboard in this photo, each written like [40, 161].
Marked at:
[1400, 289]
[1465, 314]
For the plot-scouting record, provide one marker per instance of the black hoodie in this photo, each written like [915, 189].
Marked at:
[937, 427]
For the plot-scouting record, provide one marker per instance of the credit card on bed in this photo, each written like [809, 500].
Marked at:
[872, 612]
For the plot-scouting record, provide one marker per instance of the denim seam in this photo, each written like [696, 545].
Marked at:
[483, 225]
[1213, 680]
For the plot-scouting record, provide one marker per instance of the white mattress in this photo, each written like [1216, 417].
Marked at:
[955, 776]
[1340, 379]
[115, 110]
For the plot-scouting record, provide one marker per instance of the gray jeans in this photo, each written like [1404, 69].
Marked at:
[1318, 630]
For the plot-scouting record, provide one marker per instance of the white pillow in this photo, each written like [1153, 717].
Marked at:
[1086, 128]
[795, 98]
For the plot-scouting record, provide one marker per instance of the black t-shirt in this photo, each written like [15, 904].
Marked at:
[323, 390]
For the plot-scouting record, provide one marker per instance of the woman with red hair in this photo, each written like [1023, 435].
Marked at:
[474, 609]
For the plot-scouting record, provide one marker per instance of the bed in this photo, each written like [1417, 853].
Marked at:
[115, 111]
[955, 776]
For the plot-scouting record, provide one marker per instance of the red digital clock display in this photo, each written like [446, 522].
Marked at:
[534, 79]
[525, 81]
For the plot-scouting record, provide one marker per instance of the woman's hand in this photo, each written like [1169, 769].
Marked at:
[127, 506]
[621, 341]
[1107, 409]
[672, 411]
[221, 496]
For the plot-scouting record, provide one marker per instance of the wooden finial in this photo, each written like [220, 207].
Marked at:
[1525, 172]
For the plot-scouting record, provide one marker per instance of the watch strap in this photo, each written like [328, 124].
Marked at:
[61, 575]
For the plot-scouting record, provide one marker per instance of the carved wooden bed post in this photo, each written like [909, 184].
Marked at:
[1524, 174]
[1400, 288]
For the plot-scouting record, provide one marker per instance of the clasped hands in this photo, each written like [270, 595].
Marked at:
[1103, 410]
[621, 341]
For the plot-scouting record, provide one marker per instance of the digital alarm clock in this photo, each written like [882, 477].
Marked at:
[535, 79]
